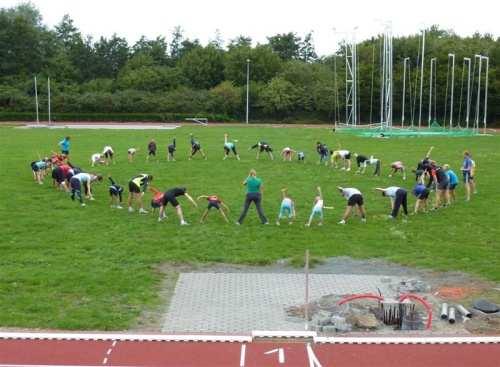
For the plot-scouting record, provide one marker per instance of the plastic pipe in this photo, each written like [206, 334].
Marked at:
[463, 311]
[451, 315]
[444, 311]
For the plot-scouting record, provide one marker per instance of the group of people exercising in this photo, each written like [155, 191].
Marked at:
[428, 176]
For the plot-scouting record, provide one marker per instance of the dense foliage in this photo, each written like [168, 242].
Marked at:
[288, 81]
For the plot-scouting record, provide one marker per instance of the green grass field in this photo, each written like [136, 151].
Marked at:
[67, 267]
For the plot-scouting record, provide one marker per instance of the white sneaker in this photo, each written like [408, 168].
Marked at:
[277, 223]
[142, 211]
[119, 207]
[363, 220]
[130, 209]
[83, 204]
[184, 223]
[341, 222]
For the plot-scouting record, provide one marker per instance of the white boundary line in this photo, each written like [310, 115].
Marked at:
[283, 334]
[409, 340]
[127, 337]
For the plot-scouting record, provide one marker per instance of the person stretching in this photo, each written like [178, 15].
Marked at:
[262, 146]
[65, 144]
[468, 175]
[171, 148]
[108, 154]
[213, 202]
[354, 198]
[452, 182]
[440, 180]
[82, 180]
[136, 188]
[287, 154]
[152, 147]
[130, 154]
[39, 168]
[170, 196]
[97, 158]
[399, 197]
[195, 147]
[341, 155]
[115, 193]
[422, 194]
[323, 152]
[317, 210]
[254, 195]
[287, 208]
[230, 146]
[396, 167]
[363, 161]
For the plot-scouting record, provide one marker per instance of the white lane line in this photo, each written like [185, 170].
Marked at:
[242, 355]
[109, 351]
[409, 340]
[104, 361]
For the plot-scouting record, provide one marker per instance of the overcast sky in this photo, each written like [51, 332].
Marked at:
[261, 18]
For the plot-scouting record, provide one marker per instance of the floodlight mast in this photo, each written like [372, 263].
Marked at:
[467, 61]
[487, 59]
[386, 91]
[452, 56]
[421, 79]
[36, 103]
[480, 58]
[433, 67]
[351, 97]
[405, 63]
[48, 94]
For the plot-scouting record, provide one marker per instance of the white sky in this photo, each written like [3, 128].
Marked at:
[261, 18]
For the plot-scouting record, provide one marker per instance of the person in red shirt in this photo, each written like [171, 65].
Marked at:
[157, 198]
[213, 202]
[61, 175]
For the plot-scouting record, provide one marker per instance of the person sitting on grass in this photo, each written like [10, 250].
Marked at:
[396, 167]
[131, 154]
[422, 194]
[108, 154]
[170, 196]
[171, 148]
[354, 198]
[287, 154]
[363, 161]
[399, 197]
[115, 193]
[317, 210]
[287, 208]
[341, 155]
[136, 187]
[230, 146]
[195, 147]
[39, 169]
[83, 181]
[323, 152]
[213, 202]
[452, 182]
[152, 147]
[262, 146]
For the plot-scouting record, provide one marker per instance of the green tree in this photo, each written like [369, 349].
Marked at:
[203, 67]
[279, 98]
[286, 45]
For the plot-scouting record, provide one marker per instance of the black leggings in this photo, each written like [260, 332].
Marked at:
[255, 197]
[401, 200]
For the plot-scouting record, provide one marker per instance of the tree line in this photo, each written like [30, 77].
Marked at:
[169, 77]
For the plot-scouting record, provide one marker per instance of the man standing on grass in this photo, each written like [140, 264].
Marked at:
[399, 197]
[65, 145]
[467, 174]
[254, 194]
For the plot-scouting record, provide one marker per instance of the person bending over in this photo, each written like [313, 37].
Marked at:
[213, 202]
[170, 196]
[317, 210]
[137, 186]
[354, 199]
[262, 146]
[398, 197]
[287, 208]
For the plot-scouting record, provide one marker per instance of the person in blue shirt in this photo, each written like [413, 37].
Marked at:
[421, 192]
[467, 168]
[452, 182]
[65, 145]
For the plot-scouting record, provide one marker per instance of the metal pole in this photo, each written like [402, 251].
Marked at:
[335, 99]
[486, 91]
[48, 93]
[452, 87]
[433, 60]
[36, 103]
[248, 89]
[468, 60]
[306, 305]
[480, 58]
[405, 61]
[421, 79]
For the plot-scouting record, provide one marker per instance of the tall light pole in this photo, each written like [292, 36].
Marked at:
[36, 103]
[248, 88]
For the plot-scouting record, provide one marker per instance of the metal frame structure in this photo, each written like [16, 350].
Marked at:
[422, 62]
[387, 83]
[432, 88]
[36, 103]
[48, 99]
[478, 96]
[466, 62]
[351, 95]
[405, 67]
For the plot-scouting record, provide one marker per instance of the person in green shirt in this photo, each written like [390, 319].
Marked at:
[254, 194]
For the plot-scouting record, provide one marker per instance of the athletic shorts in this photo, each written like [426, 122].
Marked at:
[300, 156]
[227, 150]
[171, 149]
[355, 199]
[131, 152]
[34, 167]
[155, 205]
[170, 199]
[65, 152]
[195, 147]
[424, 195]
[467, 176]
[443, 185]
[152, 152]
[58, 175]
[452, 186]
[113, 191]
[108, 154]
[347, 156]
[132, 187]
[317, 213]
[213, 204]
[75, 184]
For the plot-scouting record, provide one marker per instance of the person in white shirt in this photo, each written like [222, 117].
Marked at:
[287, 208]
[82, 180]
[130, 154]
[108, 154]
[287, 154]
[363, 161]
[354, 198]
[341, 155]
[97, 158]
[317, 210]
[398, 196]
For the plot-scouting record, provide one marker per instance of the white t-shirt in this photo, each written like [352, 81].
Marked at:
[107, 149]
[96, 157]
[343, 153]
[391, 191]
[318, 206]
[83, 177]
[287, 149]
[287, 202]
[373, 160]
[350, 191]
[131, 150]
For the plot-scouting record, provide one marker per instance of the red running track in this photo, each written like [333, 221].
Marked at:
[17, 352]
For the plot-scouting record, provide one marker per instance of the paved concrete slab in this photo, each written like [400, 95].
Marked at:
[242, 302]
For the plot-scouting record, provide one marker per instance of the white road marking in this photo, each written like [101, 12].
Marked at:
[313, 360]
[242, 355]
[281, 354]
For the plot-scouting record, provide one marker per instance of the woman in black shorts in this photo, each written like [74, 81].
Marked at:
[136, 187]
[170, 196]
[196, 147]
